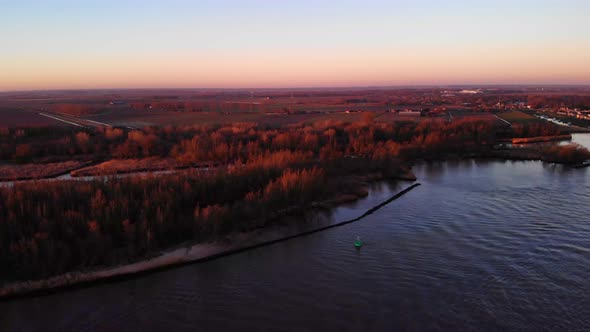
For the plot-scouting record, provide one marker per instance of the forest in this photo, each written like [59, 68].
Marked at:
[53, 227]
[239, 141]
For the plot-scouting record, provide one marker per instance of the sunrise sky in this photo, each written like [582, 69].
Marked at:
[254, 43]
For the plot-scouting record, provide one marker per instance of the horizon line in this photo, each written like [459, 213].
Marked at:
[325, 87]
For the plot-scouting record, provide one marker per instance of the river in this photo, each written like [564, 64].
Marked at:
[582, 139]
[481, 245]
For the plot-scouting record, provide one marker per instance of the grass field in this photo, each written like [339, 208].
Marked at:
[517, 116]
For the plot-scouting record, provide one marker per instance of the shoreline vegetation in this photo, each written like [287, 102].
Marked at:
[15, 172]
[523, 140]
[126, 166]
[59, 228]
[113, 167]
[194, 253]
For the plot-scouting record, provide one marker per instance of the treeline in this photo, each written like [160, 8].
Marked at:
[201, 106]
[29, 144]
[535, 129]
[241, 141]
[557, 101]
[568, 154]
[76, 109]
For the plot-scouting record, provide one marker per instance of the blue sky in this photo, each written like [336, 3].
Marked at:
[40, 37]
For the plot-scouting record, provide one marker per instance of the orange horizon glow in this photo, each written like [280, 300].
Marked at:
[284, 45]
[315, 68]
[297, 69]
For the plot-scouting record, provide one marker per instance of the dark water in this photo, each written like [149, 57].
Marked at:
[480, 246]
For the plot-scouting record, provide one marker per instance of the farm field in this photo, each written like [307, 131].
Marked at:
[145, 118]
[134, 109]
[15, 118]
[517, 116]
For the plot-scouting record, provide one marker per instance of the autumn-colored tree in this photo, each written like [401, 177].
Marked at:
[368, 117]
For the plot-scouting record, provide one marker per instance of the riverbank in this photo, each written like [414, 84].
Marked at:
[524, 154]
[570, 155]
[145, 165]
[30, 172]
[191, 253]
[523, 140]
[582, 165]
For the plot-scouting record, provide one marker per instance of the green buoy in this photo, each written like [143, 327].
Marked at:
[358, 243]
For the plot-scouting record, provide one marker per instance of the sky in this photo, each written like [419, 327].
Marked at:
[50, 44]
